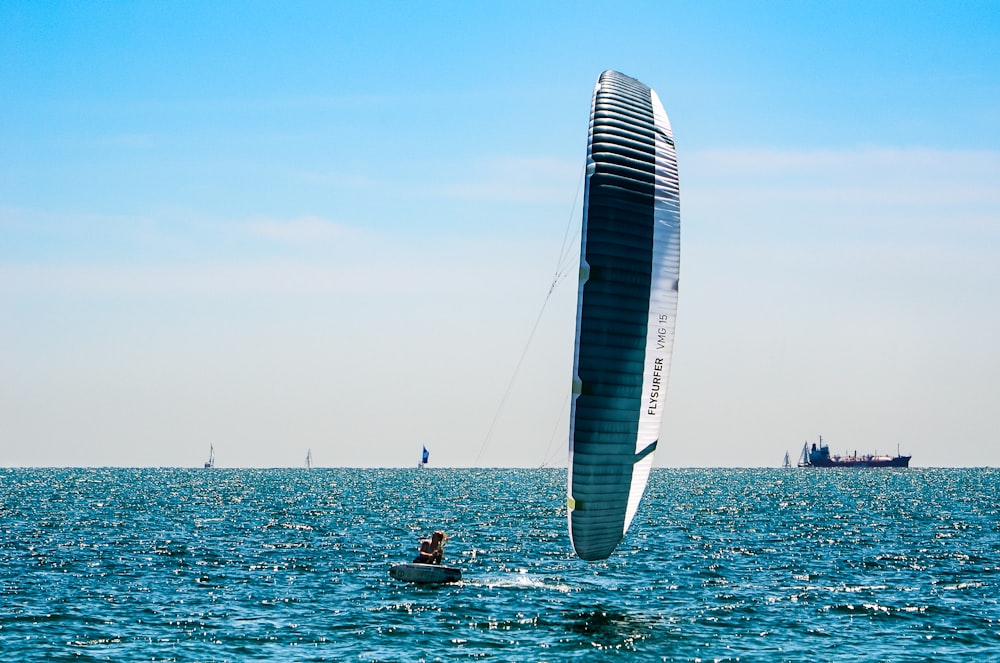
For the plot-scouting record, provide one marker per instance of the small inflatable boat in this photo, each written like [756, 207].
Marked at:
[425, 573]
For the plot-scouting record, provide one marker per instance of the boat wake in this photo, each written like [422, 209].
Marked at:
[520, 580]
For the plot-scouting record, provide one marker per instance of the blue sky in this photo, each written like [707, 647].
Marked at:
[280, 226]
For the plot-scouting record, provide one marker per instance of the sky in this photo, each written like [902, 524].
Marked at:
[271, 227]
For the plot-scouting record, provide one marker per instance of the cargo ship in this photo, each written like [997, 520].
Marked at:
[819, 456]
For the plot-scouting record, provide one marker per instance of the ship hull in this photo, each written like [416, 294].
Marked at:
[898, 461]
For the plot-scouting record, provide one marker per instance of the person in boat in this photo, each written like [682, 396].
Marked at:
[431, 550]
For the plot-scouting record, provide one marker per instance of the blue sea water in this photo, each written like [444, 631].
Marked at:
[291, 565]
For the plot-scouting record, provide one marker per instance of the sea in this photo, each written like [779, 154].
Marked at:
[292, 565]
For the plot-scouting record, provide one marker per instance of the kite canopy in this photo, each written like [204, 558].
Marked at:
[626, 307]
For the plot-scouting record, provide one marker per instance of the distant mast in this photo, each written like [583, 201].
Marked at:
[210, 463]
[423, 458]
[309, 459]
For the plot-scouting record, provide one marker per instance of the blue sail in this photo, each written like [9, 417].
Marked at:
[626, 308]
[425, 456]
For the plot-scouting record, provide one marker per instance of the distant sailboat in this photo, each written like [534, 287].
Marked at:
[423, 458]
[210, 463]
[309, 459]
[788, 461]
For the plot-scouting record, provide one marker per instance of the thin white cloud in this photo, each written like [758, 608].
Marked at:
[498, 179]
[371, 267]
[130, 141]
[133, 141]
[14, 218]
[259, 278]
[338, 179]
[751, 161]
[924, 193]
[512, 179]
[302, 230]
[867, 174]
